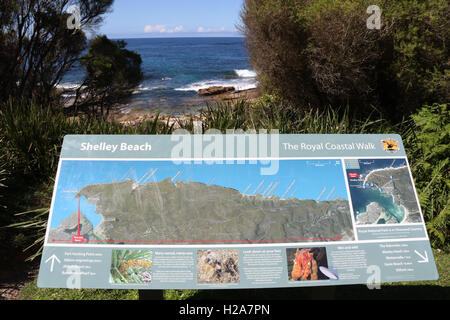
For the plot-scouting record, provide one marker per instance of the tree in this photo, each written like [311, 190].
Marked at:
[36, 46]
[321, 53]
[112, 72]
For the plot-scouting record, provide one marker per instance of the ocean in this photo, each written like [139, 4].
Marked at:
[175, 68]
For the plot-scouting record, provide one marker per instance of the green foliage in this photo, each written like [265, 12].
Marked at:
[3, 175]
[33, 135]
[112, 72]
[320, 53]
[430, 162]
[34, 225]
[32, 292]
[37, 47]
[270, 114]
[421, 38]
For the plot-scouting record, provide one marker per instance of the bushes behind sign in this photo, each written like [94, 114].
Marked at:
[320, 53]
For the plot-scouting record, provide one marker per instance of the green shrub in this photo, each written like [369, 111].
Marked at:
[320, 53]
[421, 38]
[430, 163]
[3, 187]
[3, 175]
[112, 72]
[270, 114]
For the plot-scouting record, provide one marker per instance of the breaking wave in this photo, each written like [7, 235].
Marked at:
[247, 80]
[244, 73]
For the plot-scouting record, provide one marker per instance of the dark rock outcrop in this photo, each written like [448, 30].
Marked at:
[215, 90]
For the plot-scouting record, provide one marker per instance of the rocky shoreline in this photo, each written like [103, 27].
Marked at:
[136, 112]
[131, 115]
[230, 93]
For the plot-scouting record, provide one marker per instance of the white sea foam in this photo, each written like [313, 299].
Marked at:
[382, 169]
[142, 88]
[69, 89]
[68, 86]
[244, 73]
[247, 80]
[238, 84]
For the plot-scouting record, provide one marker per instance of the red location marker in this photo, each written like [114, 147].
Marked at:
[78, 239]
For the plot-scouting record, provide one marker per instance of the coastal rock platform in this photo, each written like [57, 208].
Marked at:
[138, 111]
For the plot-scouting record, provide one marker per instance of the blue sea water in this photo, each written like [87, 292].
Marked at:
[175, 68]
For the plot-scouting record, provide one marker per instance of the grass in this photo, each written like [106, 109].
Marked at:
[286, 119]
[32, 292]
[439, 289]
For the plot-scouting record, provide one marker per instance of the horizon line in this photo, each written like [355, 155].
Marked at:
[171, 37]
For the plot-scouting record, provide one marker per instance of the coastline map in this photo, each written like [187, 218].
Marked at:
[382, 191]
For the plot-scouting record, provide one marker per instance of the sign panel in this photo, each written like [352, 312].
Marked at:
[233, 211]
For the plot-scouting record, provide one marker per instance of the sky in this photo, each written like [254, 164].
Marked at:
[172, 18]
[311, 178]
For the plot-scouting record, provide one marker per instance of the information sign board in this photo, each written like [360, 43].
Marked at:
[233, 211]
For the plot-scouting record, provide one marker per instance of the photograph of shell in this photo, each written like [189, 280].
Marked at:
[218, 266]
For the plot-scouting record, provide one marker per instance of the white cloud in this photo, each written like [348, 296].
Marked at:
[162, 28]
[201, 29]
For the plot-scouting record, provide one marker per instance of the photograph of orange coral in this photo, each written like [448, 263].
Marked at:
[307, 264]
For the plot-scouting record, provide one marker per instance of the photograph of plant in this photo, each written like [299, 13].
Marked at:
[131, 267]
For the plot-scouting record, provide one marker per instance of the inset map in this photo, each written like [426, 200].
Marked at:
[160, 202]
[382, 191]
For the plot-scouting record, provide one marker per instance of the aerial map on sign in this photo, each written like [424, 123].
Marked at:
[382, 191]
[159, 202]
